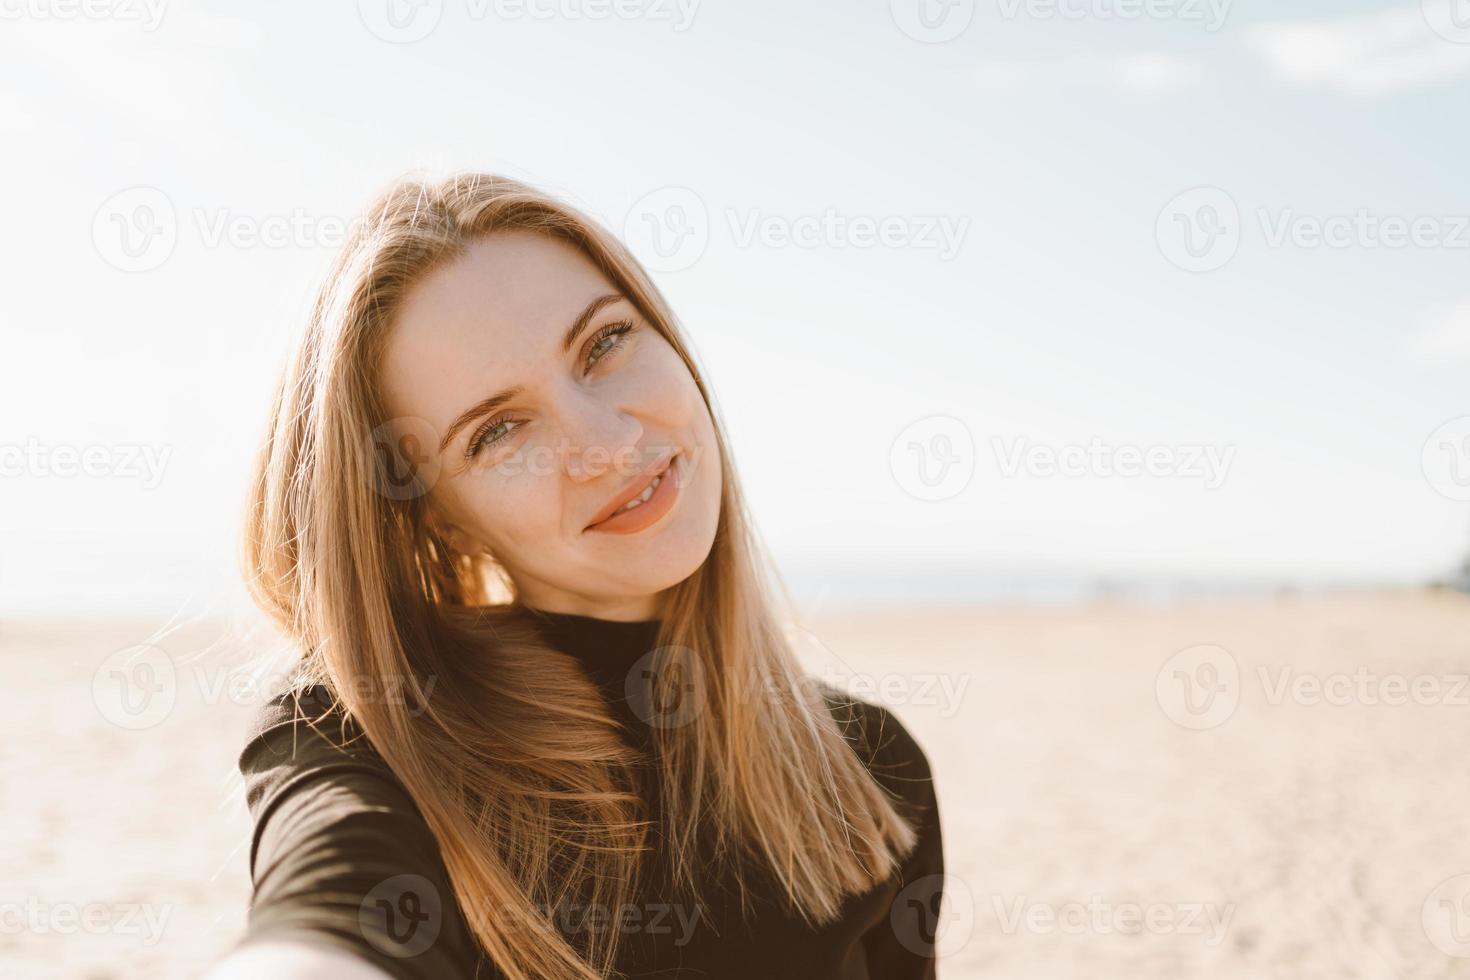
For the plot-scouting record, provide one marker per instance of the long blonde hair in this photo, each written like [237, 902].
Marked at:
[510, 753]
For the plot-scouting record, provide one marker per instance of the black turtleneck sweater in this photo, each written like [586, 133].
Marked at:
[341, 855]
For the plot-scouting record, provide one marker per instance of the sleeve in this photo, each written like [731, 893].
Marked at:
[340, 854]
[902, 945]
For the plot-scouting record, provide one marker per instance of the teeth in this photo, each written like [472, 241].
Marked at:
[648, 492]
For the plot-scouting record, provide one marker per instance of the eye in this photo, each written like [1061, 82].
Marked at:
[481, 437]
[607, 340]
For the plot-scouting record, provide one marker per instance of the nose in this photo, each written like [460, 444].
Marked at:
[599, 437]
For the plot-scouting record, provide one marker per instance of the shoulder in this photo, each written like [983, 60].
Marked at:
[890, 751]
[299, 736]
[309, 770]
[308, 716]
[339, 848]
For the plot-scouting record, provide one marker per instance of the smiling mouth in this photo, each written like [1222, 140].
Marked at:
[643, 496]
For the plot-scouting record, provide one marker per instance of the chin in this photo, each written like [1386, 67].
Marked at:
[673, 548]
[660, 557]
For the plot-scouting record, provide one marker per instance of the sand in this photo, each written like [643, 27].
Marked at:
[1103, 817]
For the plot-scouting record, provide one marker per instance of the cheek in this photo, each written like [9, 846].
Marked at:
[515, 514]
[658, 384]
[709, 471]
[710, 464]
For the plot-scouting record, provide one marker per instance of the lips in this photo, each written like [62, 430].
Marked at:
[634, 487]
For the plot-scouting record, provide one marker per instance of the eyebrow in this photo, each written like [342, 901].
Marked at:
[500, 398]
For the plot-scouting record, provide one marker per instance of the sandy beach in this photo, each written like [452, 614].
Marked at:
[1234, 789]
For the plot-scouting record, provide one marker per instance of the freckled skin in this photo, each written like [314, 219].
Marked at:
[496, 318]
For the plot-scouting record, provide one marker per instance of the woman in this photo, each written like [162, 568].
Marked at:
[548, 723]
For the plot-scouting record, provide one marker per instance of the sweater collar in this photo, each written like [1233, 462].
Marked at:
[608, 648]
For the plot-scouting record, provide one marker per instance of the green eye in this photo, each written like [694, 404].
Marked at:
[608, 339]
[478, 441]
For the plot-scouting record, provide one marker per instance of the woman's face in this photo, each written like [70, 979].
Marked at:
[592, 403]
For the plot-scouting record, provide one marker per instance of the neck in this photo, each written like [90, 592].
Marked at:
[633, 609]
[612, 651]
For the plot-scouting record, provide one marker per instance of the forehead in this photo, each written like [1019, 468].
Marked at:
[483, 322]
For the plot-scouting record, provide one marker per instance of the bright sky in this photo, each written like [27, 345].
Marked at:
[938, 261]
